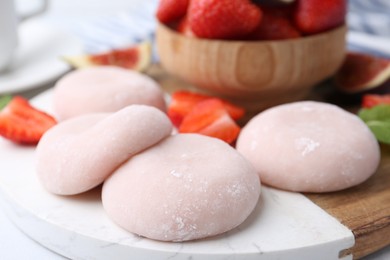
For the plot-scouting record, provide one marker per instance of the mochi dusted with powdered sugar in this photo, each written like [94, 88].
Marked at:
[80, 153]
[104, 89]
[309, 147]
[186, 187]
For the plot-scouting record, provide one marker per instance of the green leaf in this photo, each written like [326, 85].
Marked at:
[4, 100]
[381, 130]
[378, 120]
[377, 113]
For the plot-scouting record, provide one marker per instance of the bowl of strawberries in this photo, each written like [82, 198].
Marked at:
[256, 54]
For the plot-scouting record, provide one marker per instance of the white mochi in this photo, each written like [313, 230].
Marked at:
[104, 89]
[80, 153]
[186, 187]
[310, 147]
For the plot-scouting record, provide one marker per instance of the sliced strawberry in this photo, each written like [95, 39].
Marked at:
[372, 100]
[315, 16]
[223, 19]
[184, 101]
[22, 123]
[181, 104]
[171, 10]
[209, 117]
[223, 128]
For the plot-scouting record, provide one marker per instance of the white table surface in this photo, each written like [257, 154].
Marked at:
[14, 244]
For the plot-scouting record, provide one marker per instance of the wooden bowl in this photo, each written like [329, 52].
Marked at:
[256, 74]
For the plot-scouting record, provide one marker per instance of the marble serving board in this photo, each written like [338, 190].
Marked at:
[284, 225]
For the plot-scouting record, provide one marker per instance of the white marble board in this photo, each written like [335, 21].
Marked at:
[284, 225]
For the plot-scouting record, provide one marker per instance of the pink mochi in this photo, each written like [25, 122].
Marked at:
[80, 153]
[186, 187]
[309, 147]
[104, 89]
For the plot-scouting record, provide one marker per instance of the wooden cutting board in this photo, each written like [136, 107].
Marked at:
[364, 209]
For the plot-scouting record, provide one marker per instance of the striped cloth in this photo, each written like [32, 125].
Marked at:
[368, 21]
[105, 32]
[369, 26]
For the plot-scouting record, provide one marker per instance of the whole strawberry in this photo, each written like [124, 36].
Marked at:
[171, 10]
[276, 24]
[315, 16]
[184, 28]
[223, 19]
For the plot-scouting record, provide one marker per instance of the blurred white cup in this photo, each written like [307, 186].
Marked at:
[9, 20]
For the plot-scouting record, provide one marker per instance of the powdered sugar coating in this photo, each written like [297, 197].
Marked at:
[186, 187]
[80, 153]
[309, 147]
[104, 89]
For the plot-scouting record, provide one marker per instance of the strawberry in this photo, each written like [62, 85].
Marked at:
[210, 118]
[223, 19]
[282, 10]
[171, 10]
[372, 100]
[184, 28]
[315, 16]
[276, 25]
[184, 101]
[22, 123]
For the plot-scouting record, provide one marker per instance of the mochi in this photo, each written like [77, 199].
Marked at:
[186, 187]
[309, 146]
[80, 153]
[104, 89]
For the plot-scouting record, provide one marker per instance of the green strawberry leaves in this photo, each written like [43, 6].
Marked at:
[4, 100]
[378, 120]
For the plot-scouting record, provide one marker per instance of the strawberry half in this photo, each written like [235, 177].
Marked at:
[210, 118]
[315, 16]
[223, 19]
[171, 10]
[22, 123]
[184, 101]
